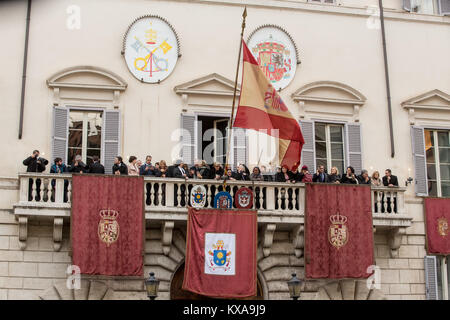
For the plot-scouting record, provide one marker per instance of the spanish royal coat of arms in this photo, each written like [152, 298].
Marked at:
[338, 232]
[219, 258]
[443, 226]
[223, 200]
[108, 227]
[198, 196]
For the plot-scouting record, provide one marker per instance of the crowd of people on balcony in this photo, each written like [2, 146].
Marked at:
[201, 170]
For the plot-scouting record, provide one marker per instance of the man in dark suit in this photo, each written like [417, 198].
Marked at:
[96, 166]
[364, 177]
[390, 180]
[179, 172]
[320, 175]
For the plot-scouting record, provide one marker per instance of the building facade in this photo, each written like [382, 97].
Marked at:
[81, 96]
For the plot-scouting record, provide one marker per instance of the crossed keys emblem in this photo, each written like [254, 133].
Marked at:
[151, 62]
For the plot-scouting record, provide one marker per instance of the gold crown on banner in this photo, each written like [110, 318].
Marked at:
[338, 219]
[109, 214]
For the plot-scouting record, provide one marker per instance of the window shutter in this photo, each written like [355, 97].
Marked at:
[188, 138]
[111, 133]
[431, 283]
[308, 156]
[420, 167]
[239, 147]
[354, 146]
[60, 132]
[444, 7]
[407, 5]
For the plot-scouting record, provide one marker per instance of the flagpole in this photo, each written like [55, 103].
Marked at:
[230, 123]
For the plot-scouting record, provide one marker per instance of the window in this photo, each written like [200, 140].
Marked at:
[421, 6]
[329, 143]
[437, 150]
[85, 135]
[443, 277]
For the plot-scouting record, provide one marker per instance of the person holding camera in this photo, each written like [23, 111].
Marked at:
[35, 163]
[320, 175]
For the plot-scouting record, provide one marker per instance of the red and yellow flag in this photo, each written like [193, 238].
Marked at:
[261, 108]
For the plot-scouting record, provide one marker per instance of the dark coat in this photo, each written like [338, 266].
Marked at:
[97, 167]
[81, 167]
[213, 172]
[149, 172]
[295, 176]
[279, 177]
[332, 178]
[393, 181]
[170, 172]
[361, 180]
[58, 169]
[178, 174]
[241, 176]
[345, 179]
[316, 178]
[33, 165]
[121, 167]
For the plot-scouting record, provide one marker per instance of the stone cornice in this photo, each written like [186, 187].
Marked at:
[389, 14]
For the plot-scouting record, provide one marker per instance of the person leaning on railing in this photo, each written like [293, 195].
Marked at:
[59, 168]
[349, 177]
[119, 168]
[389, 180]
[334, 175]
[364, 178]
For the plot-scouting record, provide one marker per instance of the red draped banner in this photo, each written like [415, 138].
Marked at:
[437, 212]
[107, 225]
[221, 253]
[338, 231]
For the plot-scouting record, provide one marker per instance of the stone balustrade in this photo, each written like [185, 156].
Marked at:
[279, 205]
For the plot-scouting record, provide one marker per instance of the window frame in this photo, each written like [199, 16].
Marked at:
[327, 124]
[436, 8]
[442, 272]
[322, 2]
[437, 161]
[85, 109]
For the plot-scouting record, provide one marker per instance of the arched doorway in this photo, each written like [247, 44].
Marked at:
[177, 293]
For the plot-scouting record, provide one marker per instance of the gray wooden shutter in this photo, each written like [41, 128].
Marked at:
[111, 134]
[354, 146]
[407, 5]
[60, 132]
[431, 288]
[420, 166]
[239, 137]
[308, 156]
[444, 7]
[188, 138]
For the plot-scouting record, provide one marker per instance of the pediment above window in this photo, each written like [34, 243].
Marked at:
[209, 93]
[212, 84]
[431, 107]
[87, 77]
[335, 99]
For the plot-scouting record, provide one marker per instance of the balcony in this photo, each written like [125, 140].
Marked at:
[280, 206]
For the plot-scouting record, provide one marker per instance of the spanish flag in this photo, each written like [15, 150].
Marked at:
[261, 108]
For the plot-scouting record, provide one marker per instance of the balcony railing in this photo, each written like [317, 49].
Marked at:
[166, 201]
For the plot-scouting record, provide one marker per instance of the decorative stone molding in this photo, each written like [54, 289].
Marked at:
[89, 290]
[57, 233]
[199, 86]
[58, 81]
[23, 232]
[344, 100]
[268, 231]
[298, 240]
[395, 237]
[167, 231]
[348, 290]
[434, 101]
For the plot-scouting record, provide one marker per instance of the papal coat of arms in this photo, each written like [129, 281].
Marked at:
[244, 198]
[198, 196]
[108, 227]
[338, 232]
[220, 253]
[442, 226]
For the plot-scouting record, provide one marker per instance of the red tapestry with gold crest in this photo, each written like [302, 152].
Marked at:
[107, 225]
[338, 231]
[437, 212]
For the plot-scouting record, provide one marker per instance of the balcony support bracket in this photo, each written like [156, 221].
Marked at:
[23, 232]
[167, 232]
[298, 240]
[395, 237]
[57, 233]
[269, 230]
